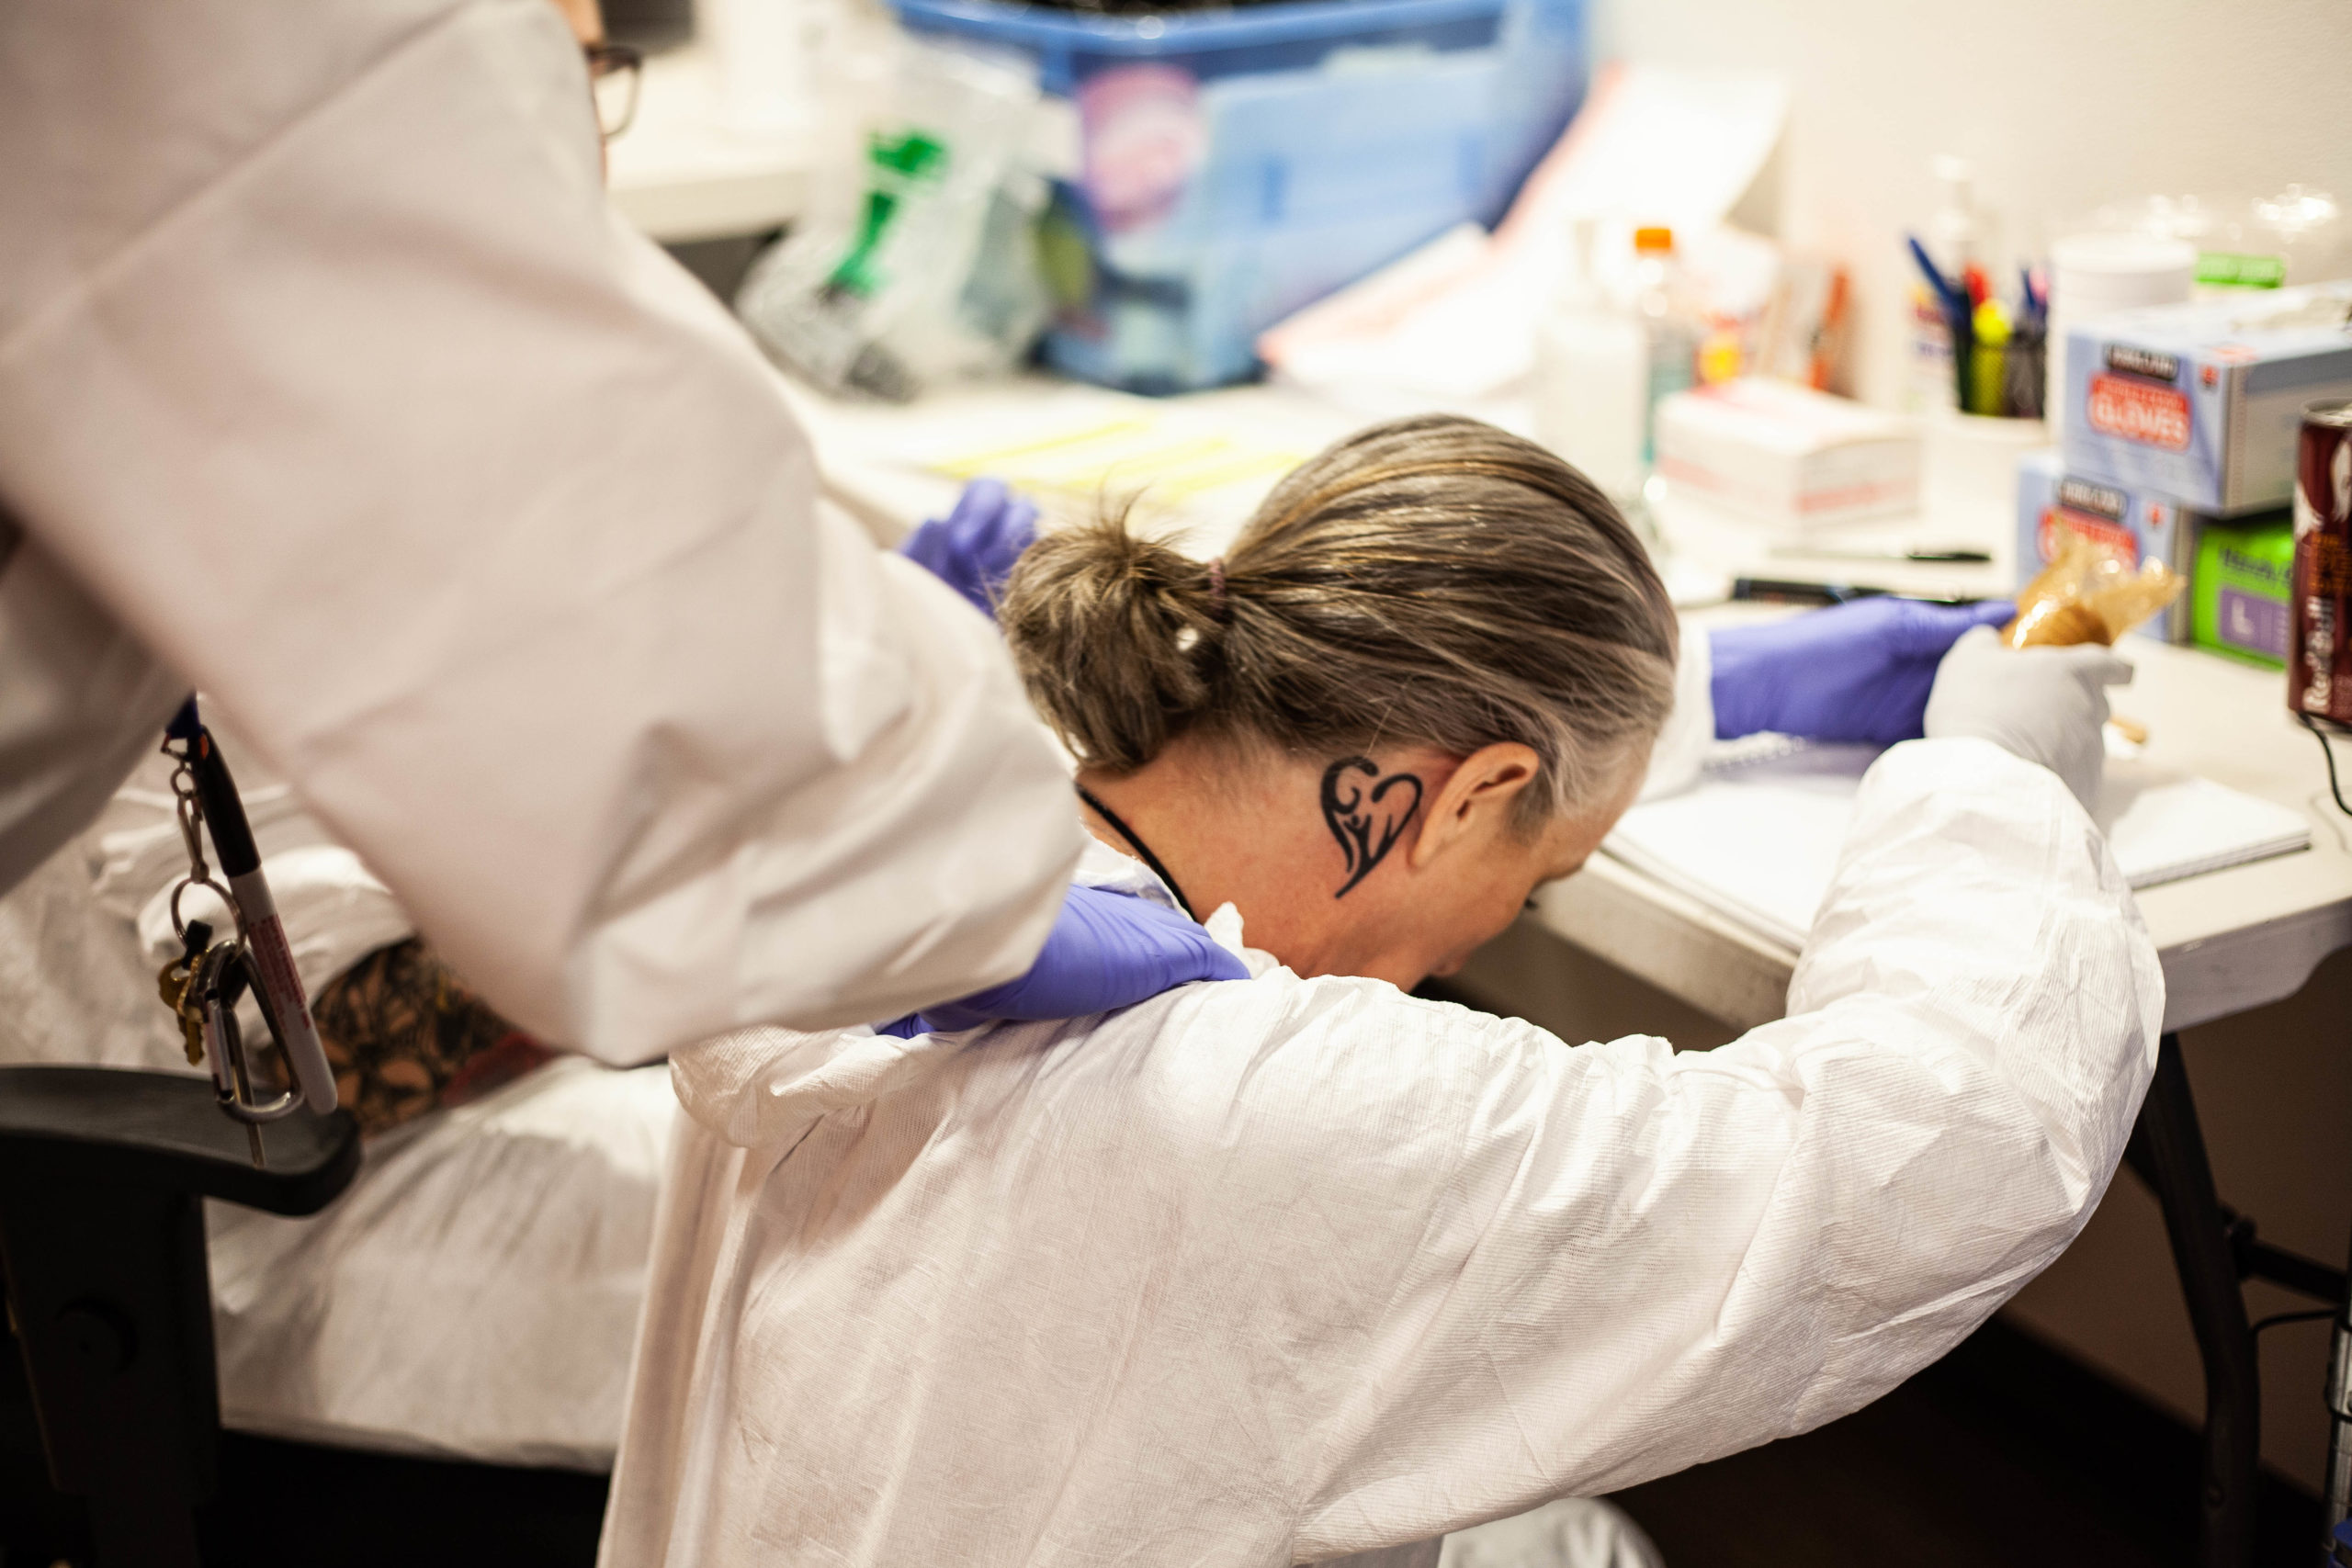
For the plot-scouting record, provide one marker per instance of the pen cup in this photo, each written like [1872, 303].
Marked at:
[2023, 366]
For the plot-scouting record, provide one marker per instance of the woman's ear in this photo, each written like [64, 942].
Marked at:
[1477, 803]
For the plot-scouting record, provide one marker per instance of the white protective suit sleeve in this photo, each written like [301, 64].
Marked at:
[329, 372]
[1272, 1271]
[1804, 1217]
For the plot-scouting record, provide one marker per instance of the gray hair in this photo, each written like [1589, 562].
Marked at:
[1430, 580]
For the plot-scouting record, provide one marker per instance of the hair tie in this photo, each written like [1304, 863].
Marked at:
[1216, 582]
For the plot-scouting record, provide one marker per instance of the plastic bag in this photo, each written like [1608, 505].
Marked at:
[932, 272]
[2088, 592]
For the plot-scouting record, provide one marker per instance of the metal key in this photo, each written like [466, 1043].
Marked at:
[174, 983]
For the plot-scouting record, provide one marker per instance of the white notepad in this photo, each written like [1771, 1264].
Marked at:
[1758, 838]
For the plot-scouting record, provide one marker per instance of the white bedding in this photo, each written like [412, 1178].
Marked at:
[476, 1291]
[473, 1295]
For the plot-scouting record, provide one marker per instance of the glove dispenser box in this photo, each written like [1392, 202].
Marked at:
[2141, 527]
[2202, 402]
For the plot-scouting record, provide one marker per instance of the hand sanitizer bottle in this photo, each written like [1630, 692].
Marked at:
[1592, 380]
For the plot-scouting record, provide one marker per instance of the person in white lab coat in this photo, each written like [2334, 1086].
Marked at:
[1278, 1271]
[331, 385]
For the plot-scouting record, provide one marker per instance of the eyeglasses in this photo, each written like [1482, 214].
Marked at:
[613, 72]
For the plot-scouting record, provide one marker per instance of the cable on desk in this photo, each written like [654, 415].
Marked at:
[2329, 753]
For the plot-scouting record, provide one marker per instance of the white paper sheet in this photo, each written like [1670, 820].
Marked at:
[1758, 838]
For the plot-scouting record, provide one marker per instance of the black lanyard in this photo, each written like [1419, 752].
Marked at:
[1134, 842]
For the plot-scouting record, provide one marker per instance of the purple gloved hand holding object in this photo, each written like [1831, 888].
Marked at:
[1859, 671]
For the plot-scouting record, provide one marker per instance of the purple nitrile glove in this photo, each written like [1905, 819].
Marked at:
[1108, 949]
[973, 547]
[1855, 671]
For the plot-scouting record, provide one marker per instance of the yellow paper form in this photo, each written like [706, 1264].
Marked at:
[1119, 459]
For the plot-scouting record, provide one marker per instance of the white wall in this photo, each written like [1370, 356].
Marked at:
[2062, 105]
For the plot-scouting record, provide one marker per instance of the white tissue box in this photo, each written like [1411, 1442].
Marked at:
[1787, 455]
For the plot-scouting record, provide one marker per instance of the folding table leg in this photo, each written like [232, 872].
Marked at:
[2168, 1152]
[2338, 1503]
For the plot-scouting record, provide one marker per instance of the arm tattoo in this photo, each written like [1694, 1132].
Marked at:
[405, 1035]
[1366, 818]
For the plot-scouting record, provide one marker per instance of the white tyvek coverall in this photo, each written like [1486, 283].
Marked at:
[1276, 1270]
[329, 384]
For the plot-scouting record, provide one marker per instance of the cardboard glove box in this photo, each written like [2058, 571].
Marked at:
[2200, 402]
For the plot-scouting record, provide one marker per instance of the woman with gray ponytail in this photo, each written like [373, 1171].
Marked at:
[1277, 1270]
[1435, 641]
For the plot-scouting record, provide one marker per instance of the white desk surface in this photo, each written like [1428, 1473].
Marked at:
[2230, 939]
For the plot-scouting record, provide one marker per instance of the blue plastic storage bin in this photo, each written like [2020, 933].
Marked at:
[1239, 164]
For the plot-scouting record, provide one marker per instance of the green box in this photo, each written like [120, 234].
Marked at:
[2240, 589]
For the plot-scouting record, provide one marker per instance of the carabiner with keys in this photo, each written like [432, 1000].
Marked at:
[202, 987]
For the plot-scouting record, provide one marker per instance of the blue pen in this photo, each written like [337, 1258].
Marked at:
[1944, 291]
[1960, 317]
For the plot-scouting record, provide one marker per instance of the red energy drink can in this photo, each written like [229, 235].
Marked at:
[2319, 656]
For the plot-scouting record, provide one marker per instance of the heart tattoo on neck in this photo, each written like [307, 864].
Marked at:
[1366, 818]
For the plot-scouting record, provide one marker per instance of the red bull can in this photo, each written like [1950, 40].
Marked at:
[2319, 663]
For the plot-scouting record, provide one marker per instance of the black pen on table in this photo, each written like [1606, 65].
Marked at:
[1796, 590]
[1926, 554]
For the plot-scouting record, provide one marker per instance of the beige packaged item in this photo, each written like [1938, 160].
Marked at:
[1788, 455]
[2089, 592]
